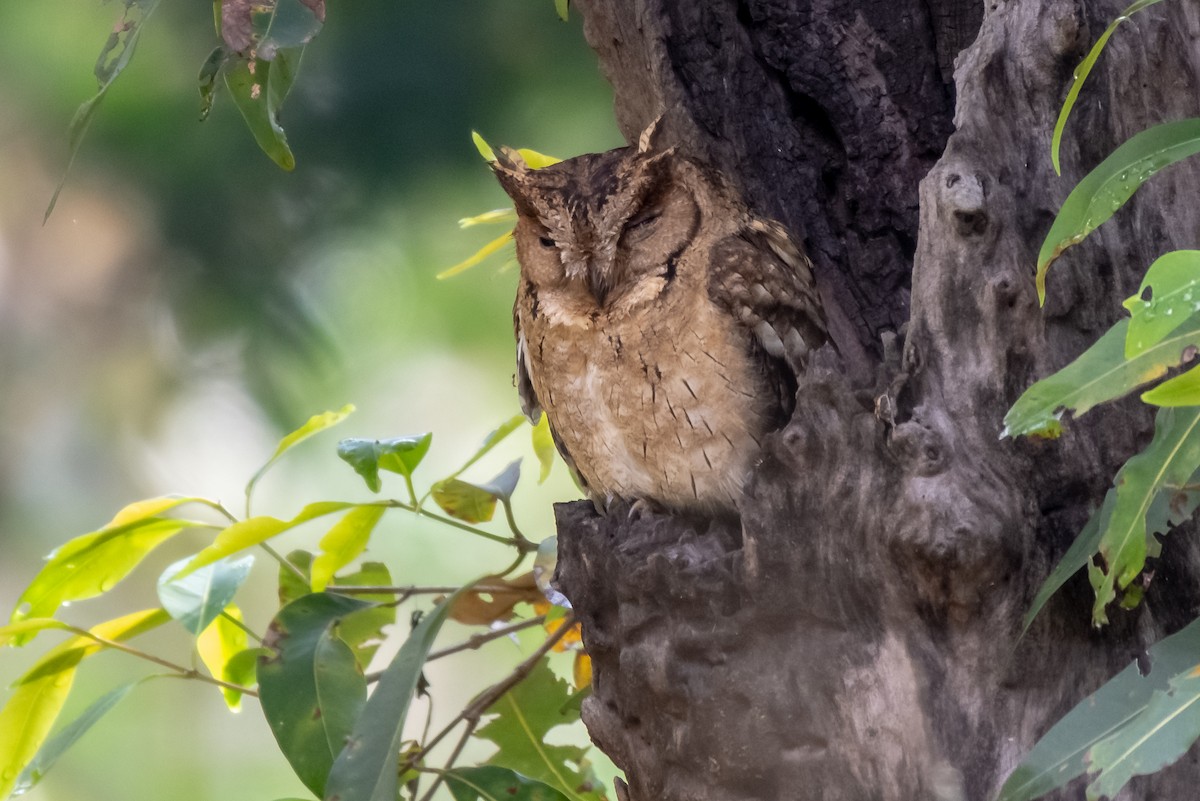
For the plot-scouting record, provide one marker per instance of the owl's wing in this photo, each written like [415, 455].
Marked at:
[765, 283]
[530, 404]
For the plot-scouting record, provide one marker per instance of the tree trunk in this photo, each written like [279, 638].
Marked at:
[858, 636]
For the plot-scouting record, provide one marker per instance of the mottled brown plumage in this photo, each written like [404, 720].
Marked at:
[659, 325]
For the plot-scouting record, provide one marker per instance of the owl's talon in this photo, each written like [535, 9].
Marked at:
[641, 508]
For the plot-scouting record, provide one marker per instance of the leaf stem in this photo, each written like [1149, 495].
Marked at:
[278, 557]
[454, 755]
[241, 625]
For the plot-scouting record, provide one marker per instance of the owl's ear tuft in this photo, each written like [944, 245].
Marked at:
[510, 159]
[514, 178]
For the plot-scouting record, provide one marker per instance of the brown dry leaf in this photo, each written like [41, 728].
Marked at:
[484, 608]
[237, 22]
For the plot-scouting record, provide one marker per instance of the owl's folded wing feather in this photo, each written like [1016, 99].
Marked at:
[767, 285]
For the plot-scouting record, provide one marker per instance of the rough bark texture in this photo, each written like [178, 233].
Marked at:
[856, 637]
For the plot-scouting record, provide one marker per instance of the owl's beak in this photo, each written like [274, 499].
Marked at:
[597, 284]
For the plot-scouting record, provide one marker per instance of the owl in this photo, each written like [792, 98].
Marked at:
[659, 325]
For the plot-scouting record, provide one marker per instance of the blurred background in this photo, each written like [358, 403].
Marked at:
[188, 303]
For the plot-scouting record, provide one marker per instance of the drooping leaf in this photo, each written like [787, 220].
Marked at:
[543, 447]
[476, 503]
[344, 542]
[311, 687]
[490, 783]
[206, 81]
[248, 533]
[114, 58]
[315, 425]
[1167, 462]
[1168, 296]
[197, 598]
[475, 608]
[218, 644]
[560, 6]
[40, 694]
[1081, 74]
[477, 257]
[398, 455]
[248, 81]
[94, 563]
[524, 716]
[365, 770]
[1060, 756]
[67, 736]
[1101, 374]
[1078, 556]
[1106, 188]
[1156, 738]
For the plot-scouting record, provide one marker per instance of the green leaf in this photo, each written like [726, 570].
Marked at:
[292, 23]
[206, 81]
[1156, 738]
[1059, 757]
[365, 770]
[30, 626]
[1172, 291]
[1167, 463]
[114, 58]
[1078, 556]
[1182, 390]
[490, 783]
[363, 631]
[196, 599]
[29, 714]
[94, 563]
[248, 533]
[344, 542]
[560, 6]
[483, 147]
[476, 503]
[1101, 374]
[1081, 74]
[1106, 188]
[222, 648]
[315, 425]
[311, 688]
[398, 455]
[70, 734]
[248, 82]
[524, 716]
[543, 447]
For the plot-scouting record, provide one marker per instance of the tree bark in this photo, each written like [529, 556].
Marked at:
[857, 636]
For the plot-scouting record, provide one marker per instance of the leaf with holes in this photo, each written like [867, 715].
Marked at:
[475, 608]
[1100, 374]
[1168, 296]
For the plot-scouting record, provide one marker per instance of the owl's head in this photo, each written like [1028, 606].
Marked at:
[604, 228]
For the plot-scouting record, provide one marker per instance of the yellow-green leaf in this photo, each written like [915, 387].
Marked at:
[1168, 296]
[1182, 390]
[1081, 74]
[316, 424]
[479, 255]
[1106, 188]
[248, 533]
[483, 147]
[490, 218]
[31, 625]
[94, 563]
[537, 160]
[344, 542]
[218, 644]
[543, 447]
[492, 440]
[39, 695]
[560, 6]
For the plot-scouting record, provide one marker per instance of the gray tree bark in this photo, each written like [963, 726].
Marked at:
[857, 635]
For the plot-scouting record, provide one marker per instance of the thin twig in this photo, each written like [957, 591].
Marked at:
[380, 589]
[458, 748]
[187, 673]
[485, 637]
[485, 699]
